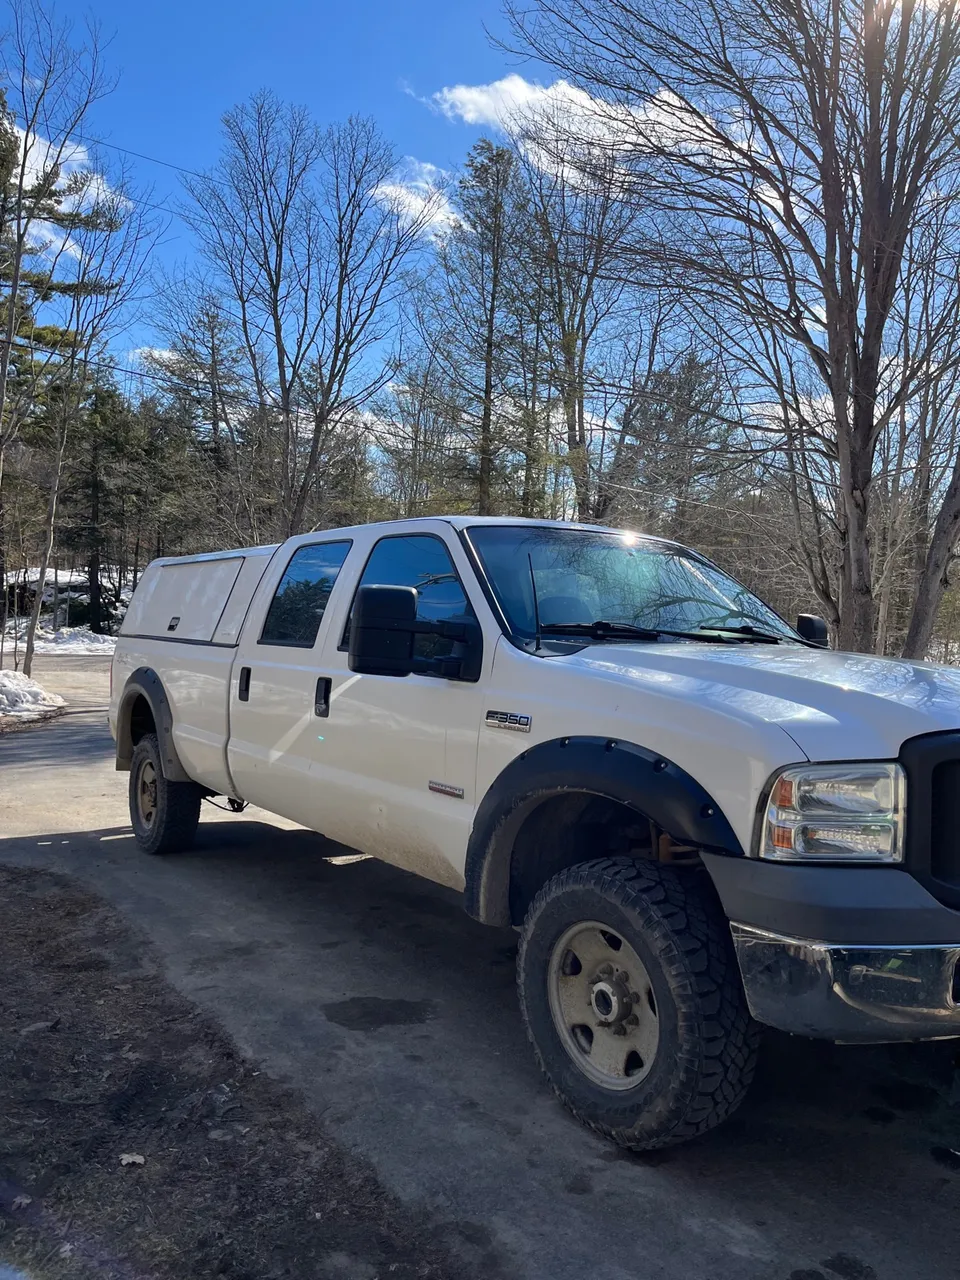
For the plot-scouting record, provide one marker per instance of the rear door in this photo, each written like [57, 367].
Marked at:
[278, 696]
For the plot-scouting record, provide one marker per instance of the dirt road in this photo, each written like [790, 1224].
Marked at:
[392, 1017]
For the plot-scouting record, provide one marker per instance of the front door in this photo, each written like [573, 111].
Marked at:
[278, 697]
[400, 753]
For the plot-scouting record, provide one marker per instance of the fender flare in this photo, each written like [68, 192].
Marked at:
[655, 787]
[145, 683]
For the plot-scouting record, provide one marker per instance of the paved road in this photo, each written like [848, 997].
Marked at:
[394, 1014]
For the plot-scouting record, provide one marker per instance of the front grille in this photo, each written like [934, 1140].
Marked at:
[932, 765]
[945, 822]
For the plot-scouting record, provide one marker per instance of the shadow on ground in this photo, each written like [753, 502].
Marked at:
[29, 746]
[373, 992]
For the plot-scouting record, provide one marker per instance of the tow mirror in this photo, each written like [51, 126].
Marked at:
[384, 630]
[813, 629]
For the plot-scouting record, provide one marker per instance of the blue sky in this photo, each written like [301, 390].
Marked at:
[181, 65]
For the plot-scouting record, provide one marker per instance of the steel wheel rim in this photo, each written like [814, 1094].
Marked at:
[147, 793]
[603, 1006]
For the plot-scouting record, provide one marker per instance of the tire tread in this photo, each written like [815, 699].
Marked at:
[179, 812]
[704, 967]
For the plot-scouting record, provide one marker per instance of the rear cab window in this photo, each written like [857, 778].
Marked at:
[300, 600]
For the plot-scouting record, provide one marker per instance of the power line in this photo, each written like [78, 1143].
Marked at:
[168, 379]
[141, 155]
[459, 450]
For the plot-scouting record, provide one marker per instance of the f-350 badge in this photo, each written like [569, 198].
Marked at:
[508, 720]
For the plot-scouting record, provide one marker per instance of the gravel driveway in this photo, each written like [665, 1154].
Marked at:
[391, 1017]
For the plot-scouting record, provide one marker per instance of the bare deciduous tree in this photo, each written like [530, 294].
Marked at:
[788, 152]
[579, 223]
[307, 232]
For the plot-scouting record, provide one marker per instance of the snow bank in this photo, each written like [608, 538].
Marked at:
[23, 699]
[68, 640]
[74, 640]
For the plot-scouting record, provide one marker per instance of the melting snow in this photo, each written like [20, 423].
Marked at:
[23, 699]
[76, 640]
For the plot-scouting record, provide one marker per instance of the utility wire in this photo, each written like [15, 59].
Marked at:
[167, 379]
[141, 155]
[453, 451]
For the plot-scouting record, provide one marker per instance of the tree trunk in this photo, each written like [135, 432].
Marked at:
[933, 577]
[4, 600]
[93, 566]
[577, 459]
[857, 611]
[10, 327]
[530, 469]
[484, 495]
[531, 498]
[47, 552]
[96, 592]
[136, 558]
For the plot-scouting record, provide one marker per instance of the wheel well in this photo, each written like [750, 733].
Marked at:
[574, 827]
[141, 720]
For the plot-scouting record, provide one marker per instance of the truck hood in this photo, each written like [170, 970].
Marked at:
[835, 706]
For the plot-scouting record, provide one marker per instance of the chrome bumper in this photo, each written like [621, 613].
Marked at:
[869, 994]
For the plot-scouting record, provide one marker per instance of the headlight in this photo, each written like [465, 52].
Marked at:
[836, 812]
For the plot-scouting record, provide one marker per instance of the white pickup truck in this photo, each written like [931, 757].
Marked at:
[699, 817]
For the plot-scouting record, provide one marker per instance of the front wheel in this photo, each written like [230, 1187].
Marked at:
[164, 814]
[633, 1001]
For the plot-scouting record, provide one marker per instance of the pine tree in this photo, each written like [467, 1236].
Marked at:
[475, 259]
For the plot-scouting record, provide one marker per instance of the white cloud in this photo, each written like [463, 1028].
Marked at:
[152, 355]
[560, 128]
[39, 156]
[502, 103]
[549, 119]
[417, 192]
[90, 188]
[87, 187]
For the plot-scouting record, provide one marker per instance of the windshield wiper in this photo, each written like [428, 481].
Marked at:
[745, 632]
[601, 630]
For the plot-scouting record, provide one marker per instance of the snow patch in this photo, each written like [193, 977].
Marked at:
[66, 640]
[23, 699]
[74, 640]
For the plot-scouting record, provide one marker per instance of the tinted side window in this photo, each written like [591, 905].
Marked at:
[296, 609]
[421, 561]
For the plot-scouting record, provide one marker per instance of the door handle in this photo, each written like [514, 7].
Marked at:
[243, 691]
[321, 700]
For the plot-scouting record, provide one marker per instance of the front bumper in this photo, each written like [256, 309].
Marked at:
[870, 994]
[842, 953]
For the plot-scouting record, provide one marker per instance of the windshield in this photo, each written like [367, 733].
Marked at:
[583, 575]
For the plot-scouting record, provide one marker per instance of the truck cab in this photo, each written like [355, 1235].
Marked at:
[698, 816]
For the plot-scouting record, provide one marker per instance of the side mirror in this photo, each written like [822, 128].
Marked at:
[813, 629]
[383, 635]
[382, 631]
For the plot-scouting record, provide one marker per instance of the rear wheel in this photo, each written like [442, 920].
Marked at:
[633, 1001]
[164, 814]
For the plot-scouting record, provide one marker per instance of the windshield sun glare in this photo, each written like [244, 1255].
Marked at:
[583, 577]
